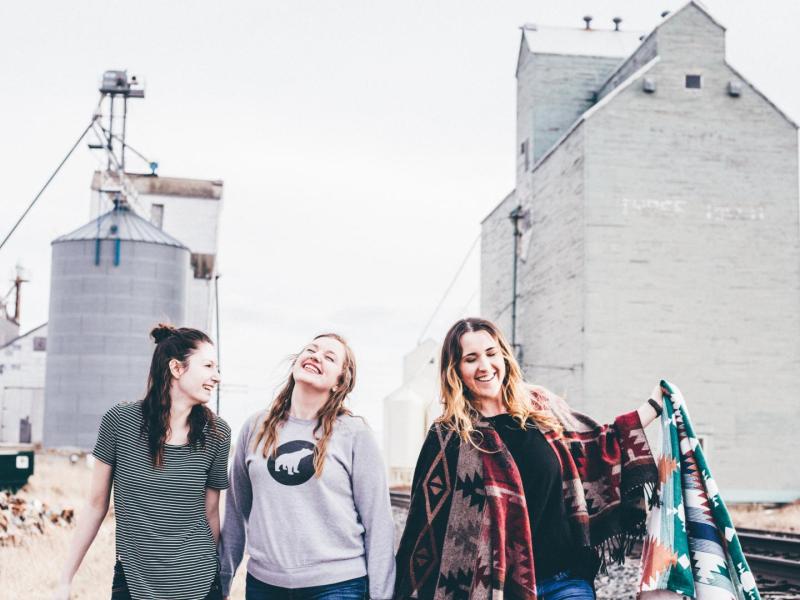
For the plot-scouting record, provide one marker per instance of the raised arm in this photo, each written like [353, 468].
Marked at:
[647, 411]
[89, 521]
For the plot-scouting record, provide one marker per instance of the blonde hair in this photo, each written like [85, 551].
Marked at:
[326, 416]
[460, 412]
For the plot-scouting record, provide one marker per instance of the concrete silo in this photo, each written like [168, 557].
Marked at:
[111, 281]
[409, 411]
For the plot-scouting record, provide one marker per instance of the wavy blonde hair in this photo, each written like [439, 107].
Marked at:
[326, 416]
[460, 412]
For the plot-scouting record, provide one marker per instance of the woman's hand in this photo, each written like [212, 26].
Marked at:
[647, 413]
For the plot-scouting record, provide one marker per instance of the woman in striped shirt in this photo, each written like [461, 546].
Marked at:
[166, 458]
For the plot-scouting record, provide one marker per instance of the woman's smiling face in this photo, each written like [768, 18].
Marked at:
[320, 364]
[199, 377]
[482, 367]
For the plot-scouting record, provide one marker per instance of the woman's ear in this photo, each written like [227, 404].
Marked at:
[176, 368]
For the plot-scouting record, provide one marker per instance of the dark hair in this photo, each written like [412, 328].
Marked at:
[179, 344]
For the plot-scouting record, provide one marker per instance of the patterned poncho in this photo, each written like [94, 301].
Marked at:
[691, 547]
[468, 535]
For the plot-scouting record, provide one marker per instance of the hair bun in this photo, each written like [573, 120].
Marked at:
[162, 332]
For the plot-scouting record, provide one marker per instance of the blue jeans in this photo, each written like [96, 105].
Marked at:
[352, 589]
[564, 586]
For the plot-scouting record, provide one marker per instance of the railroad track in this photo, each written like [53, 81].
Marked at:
[773, 557]
[400, 499]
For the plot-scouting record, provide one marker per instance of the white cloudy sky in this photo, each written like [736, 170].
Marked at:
[361, 143]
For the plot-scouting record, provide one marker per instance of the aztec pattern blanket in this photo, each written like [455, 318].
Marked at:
[691, 546]
[468, 536]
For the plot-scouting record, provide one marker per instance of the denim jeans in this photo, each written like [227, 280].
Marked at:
[352, 589]
[564, 586]
[120, 591]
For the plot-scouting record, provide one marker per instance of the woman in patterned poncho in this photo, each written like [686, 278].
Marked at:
[509, 472]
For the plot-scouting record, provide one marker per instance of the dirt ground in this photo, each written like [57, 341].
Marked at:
[31, 569]
[773, 518]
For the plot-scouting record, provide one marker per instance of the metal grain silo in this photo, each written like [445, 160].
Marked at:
[111, 281]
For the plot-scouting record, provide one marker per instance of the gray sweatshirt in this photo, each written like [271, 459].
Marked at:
[303, 531]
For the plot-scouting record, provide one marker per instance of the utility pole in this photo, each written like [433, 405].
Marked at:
[219, 344]
[516, 216]
[18, 281]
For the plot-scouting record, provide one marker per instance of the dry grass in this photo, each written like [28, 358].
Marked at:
[754, 516]
[30, 571]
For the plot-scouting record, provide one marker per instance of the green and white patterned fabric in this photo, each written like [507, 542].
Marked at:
[691, 547]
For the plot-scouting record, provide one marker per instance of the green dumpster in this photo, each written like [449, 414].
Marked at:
[15, 469]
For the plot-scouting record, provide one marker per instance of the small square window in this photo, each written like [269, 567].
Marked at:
[524, 151]
[203, 265]
[157, 215]
[693, 82]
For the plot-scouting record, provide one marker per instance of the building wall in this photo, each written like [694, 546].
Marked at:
[643, 55]
[683, 207]
[497, 261]
[693, 260]
[195, 222]
[551, 273]
[550, 276]
[192, 219]
[22, 371]
[553, 90]
[8, 329]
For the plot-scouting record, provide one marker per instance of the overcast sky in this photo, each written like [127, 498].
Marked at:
[360, 142]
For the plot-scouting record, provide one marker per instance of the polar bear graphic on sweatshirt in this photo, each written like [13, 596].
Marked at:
[293, 463]
[290, 462]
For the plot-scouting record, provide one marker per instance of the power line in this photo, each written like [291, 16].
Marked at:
[44, 187]
[449, 287]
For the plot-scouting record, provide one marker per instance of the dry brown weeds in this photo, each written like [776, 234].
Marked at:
[30, 570]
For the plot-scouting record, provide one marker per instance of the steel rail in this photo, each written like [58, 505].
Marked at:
[400, 499]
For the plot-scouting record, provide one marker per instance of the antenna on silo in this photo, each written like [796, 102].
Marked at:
[116, 84]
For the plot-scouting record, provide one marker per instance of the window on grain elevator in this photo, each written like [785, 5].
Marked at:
[694, 82]
[203, 265]
[157, 215]
[524, 151]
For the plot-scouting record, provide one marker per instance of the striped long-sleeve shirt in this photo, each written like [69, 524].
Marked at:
[163, 537]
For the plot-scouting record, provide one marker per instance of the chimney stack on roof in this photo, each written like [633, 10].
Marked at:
[588, 20]
[617, 21]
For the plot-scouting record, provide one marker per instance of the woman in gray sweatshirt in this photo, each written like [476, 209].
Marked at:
[309, 499]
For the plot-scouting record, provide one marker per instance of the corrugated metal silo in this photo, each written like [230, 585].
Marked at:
[112, 280]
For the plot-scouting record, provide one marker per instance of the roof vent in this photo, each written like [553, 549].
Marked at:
[664, 14]
[617, 21]
[588, 20]
[735, 88]
[649, 85]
